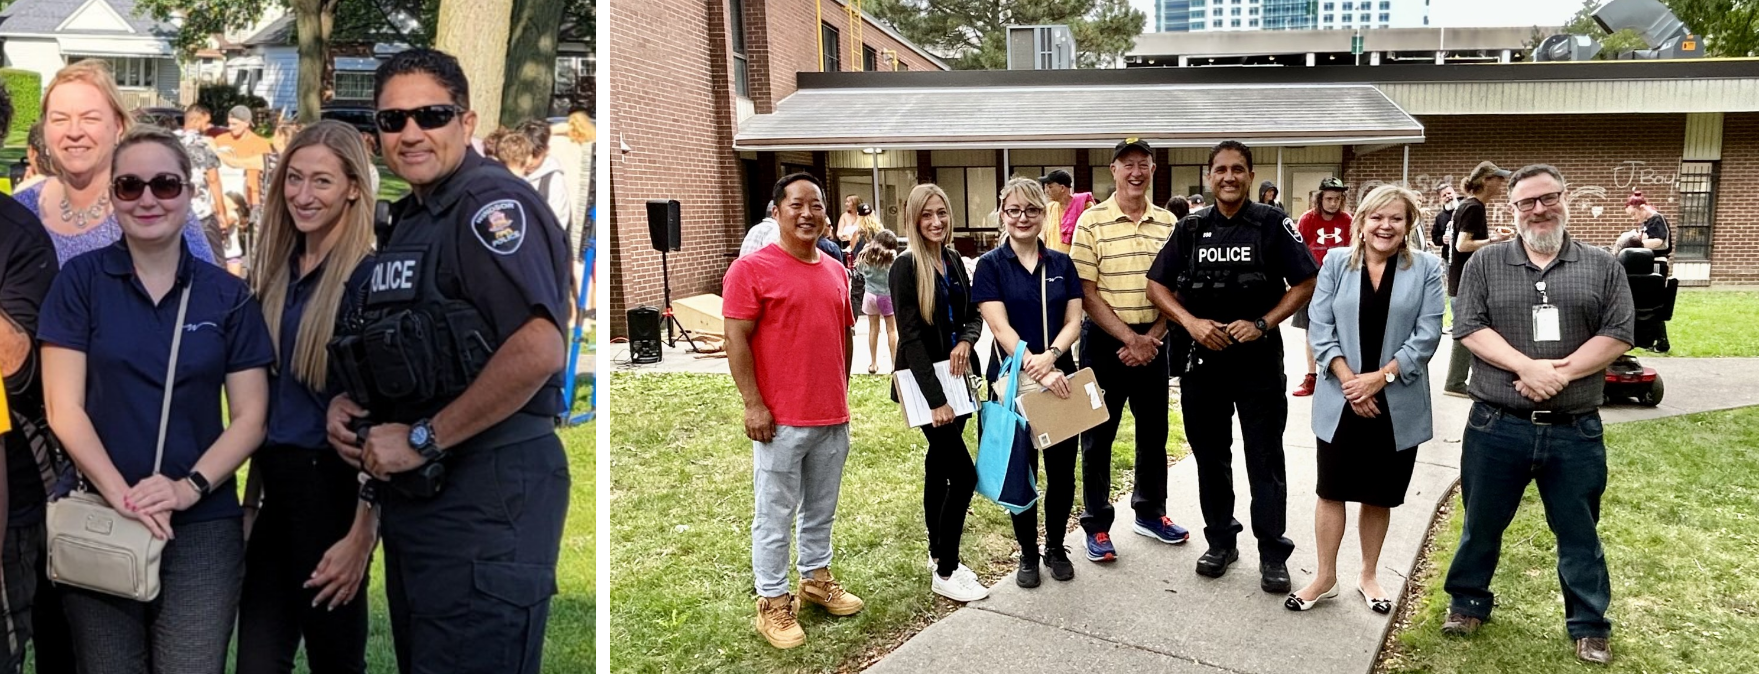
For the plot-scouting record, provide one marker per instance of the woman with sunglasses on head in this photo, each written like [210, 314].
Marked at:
[83, 118]
[311, 542]
[110, 334]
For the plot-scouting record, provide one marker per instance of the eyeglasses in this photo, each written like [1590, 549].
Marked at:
[1550, 199]
[427, 117]
[1030, 212]
[130, 188]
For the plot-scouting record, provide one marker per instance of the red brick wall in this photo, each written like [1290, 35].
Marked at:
[1734, 238]
[673, 105]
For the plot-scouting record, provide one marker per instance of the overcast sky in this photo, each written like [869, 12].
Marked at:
[1461, 13]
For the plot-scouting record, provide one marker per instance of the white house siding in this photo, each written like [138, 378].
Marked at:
[167, 80]
[41, 56]
[280, 83]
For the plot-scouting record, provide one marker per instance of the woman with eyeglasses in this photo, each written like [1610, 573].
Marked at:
[931, 298]
[83, 118]
[1029, 293]
[107, 327]
[305, 570]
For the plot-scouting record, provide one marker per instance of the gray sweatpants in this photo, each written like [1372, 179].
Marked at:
[798, 472]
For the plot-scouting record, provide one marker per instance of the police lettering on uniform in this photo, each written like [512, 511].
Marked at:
[1228, 276]
[450, 361]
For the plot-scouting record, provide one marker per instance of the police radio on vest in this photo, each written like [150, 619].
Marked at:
[1228, 254]
[394, 275]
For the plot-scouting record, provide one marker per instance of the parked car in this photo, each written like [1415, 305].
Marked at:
[170, 118]
[358, 116]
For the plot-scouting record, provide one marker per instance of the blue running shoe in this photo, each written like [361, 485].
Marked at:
[1099, 548]
[1164, 531]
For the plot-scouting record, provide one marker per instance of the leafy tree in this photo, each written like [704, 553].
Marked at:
[972, 34]
[1730, 28]
[1610, 45]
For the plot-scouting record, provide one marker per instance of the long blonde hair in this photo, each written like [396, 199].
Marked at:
[311, 360]
[1381, 197]
[927, 254]
[94, 72]
[580, 127]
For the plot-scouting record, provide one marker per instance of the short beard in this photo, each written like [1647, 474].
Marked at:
[1545, 243]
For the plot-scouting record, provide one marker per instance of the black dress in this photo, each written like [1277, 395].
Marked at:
[1363, 463]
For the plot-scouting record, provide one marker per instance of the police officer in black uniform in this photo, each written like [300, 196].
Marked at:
[1238, 269]
[451, 366]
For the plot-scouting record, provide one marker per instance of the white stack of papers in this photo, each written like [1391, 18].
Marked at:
[916, 409]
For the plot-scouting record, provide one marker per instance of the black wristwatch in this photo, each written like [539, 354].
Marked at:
[1261, 325]
[200, 482]
[422, 440]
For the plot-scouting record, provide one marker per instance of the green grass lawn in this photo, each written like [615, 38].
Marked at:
[1678, 524]
[681, 595]
[1714, 323]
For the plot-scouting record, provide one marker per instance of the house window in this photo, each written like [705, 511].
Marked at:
[869, 59]
[1697, 188]
[354, 85]
[828, 61]
[131, 73]
[741, 66]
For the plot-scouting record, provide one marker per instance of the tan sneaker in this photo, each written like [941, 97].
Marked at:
[820, 588]
[775, 621]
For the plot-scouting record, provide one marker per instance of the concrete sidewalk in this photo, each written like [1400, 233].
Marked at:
[1150, 612]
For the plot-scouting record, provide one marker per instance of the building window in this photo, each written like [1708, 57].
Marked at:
[354, 85]
[1217, 24]
[869, 59]
[1385, 17]
[1253, 23]
[131, 73]
[1385, 5]
[1235, 23]
[1363, 18]
[1197, 14]
[1253, 11]
[741, 66]
[1234, 12]
[1347, 6]
[1697, 187]
[828, 61]
[1330, 18]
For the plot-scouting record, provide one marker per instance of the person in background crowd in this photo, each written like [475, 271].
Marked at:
[83, 119]
[866, 228]
[1268, 193]
[305, 570]
[571, 144]
[513, 150]
[874, 264]
[28, 467]
[849, 221]
[1115, 243]
[764, 233]
[1656, 234]
[1197, 202]
[545, 174]
[1542, 318]
[1324, 228]
[114, 306]
[1017, 288]
[206, 203]
[1376, 321]
[1441, 232]
[1063, 209]
[783, 301]
[1179, 207]
[39, 162]
[938, 322]
[241, 151]
[1471, 232]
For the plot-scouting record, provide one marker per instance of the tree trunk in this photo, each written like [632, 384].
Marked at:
[312, 20]
[476, 32]
[531, 60]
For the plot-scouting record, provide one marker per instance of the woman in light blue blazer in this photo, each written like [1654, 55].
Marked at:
[1374, 322]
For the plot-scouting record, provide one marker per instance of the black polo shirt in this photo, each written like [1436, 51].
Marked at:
[1001, 278]
[27, 270]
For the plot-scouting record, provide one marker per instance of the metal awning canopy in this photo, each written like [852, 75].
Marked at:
[1022, 117]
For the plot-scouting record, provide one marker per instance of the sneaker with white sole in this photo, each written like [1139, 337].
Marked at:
[962, 586]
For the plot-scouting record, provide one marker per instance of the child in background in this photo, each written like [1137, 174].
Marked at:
[874, 264]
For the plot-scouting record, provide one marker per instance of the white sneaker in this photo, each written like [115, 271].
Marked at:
[962, 586]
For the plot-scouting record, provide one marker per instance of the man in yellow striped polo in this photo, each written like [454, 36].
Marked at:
[1115, 243]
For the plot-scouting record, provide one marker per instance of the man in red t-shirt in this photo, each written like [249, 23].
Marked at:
[1323, 228]
[782, 304]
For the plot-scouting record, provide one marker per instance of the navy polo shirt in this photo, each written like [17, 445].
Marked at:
[1001, 278]
[97, 306]
[296, 411]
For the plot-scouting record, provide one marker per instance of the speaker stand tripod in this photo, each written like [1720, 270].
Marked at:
[670, 320]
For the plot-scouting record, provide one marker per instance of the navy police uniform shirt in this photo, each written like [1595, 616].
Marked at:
[1001, 278]
[507, 256]
[27, 268]
[296, 410]
[1258, 238]
[97, 306]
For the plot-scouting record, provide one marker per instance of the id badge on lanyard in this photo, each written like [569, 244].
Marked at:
[1545, 321]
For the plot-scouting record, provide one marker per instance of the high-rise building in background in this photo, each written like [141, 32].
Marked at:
[1181, 16]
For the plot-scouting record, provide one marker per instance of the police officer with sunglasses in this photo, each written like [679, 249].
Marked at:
[451, 369]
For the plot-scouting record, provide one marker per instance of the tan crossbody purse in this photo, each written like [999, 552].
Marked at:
[92, 546]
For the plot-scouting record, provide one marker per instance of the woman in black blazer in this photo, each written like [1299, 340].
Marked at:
[931, 296]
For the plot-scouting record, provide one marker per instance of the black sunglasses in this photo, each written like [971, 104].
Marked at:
[130, 188]
[426, 117]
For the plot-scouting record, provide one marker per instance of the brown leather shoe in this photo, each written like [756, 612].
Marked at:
[777, 623]
[820, 588]
[1596, 650]
[1460, 625]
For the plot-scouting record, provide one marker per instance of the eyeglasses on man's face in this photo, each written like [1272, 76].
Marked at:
[1549, 199]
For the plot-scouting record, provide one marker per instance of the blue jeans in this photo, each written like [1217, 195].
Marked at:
[1501, 453]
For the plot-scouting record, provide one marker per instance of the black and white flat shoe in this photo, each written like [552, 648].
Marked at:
[1379, 605]
[1295, 603]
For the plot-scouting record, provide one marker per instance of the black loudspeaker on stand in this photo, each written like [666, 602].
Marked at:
[665, 228]
[644, 335]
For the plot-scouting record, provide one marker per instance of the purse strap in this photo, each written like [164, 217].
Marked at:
[171, 374]
[1044, 299]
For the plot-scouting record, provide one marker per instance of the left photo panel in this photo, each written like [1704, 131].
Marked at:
[296, 326]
